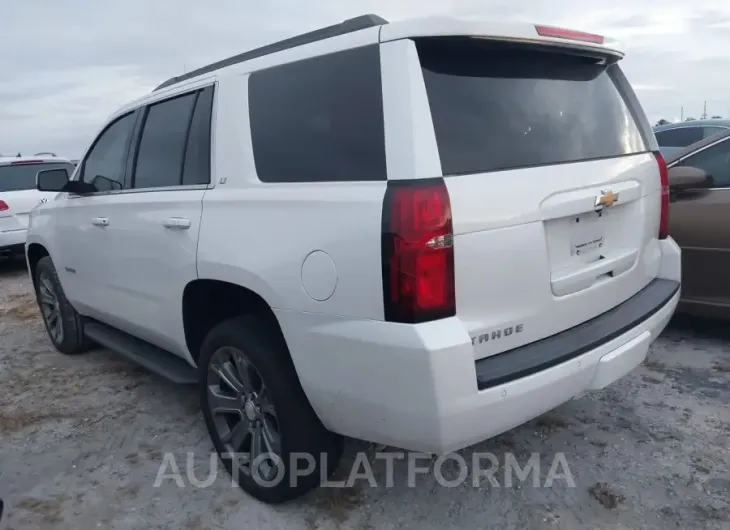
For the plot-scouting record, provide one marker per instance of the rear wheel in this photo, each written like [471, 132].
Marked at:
[257, 414]
[63, 323]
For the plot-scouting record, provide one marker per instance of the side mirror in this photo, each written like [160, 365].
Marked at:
[688, 178]
[52, 180]
[105, 184]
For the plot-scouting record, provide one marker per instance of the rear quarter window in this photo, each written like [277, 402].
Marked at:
[498, 106]
[319, 119]
[679, 137]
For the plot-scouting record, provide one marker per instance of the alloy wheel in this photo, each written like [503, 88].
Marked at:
[50, 307]
[243, 413]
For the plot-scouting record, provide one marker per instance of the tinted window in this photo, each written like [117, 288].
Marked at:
[498, 106]
[319, 119]
[22, 176]
[162, 144]
[197, 154]
[106, 163]
[680, 137]
[709, 131]
[715, 161]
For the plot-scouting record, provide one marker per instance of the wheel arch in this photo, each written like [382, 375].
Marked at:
[34, 252]
[208, 302]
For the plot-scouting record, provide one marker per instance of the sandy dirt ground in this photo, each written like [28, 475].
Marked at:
[82, 440]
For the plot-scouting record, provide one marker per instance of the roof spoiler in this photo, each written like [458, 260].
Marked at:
[348, 26]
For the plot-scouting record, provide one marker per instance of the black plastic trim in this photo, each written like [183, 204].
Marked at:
[542, 354]
[154, 359]
[348, 26]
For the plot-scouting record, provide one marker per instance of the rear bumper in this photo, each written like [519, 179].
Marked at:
[12, 241]
[562, 347]
[419, 388]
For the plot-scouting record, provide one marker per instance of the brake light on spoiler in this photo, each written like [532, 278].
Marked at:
[569, 34]
[26, 162]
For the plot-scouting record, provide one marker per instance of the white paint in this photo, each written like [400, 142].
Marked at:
[319, 276]
[410, 386]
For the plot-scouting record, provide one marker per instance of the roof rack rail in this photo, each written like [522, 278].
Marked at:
[348, 26]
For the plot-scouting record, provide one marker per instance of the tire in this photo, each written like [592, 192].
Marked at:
[71, 339]
[274, 381]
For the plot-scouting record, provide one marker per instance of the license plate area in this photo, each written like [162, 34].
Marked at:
[587, 236]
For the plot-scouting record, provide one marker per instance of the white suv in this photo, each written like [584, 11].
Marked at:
[19, 195]
[420, 234]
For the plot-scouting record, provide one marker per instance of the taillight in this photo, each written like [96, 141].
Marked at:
[4, 206]
[418, 251]
[664, 183]
[569, 34]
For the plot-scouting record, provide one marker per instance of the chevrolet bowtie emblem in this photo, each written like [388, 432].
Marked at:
[606, 199]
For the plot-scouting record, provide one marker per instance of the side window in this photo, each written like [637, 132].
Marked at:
[710, 131]
[105, 165]
[680, 137]
[159, 160]
[715, 161]
[197, 154]
[319, 119]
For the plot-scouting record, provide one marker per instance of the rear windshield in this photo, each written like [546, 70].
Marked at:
[499, 106]
[22, 176]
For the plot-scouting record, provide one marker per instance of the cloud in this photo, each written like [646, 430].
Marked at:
[66, 65]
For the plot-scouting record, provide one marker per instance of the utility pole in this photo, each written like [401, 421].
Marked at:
[681, 114]
[704, 111]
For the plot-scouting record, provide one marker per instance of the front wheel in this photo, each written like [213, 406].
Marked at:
[259, 419]
[63, 323]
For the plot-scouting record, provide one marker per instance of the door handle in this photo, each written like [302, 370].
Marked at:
[176, 222]
[100, 221]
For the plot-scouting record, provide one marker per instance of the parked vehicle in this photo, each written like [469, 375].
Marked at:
[19, 195]
[700, 223]
[673, 137]
[351, 233]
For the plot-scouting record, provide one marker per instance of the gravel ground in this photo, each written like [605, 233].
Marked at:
[82, 440]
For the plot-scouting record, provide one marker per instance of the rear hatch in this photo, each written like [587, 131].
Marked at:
[555, 195]
[18, 193]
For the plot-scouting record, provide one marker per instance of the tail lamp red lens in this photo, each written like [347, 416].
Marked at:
[418, 252]
[664, 182]
[4, 206]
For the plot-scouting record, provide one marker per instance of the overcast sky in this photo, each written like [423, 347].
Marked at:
[65, 65]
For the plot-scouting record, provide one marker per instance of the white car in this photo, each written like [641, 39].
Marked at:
[420, 233]
[19, 195]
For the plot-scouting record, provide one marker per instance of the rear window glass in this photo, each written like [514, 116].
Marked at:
[499, 106]
[22, 176]
[679, 137]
